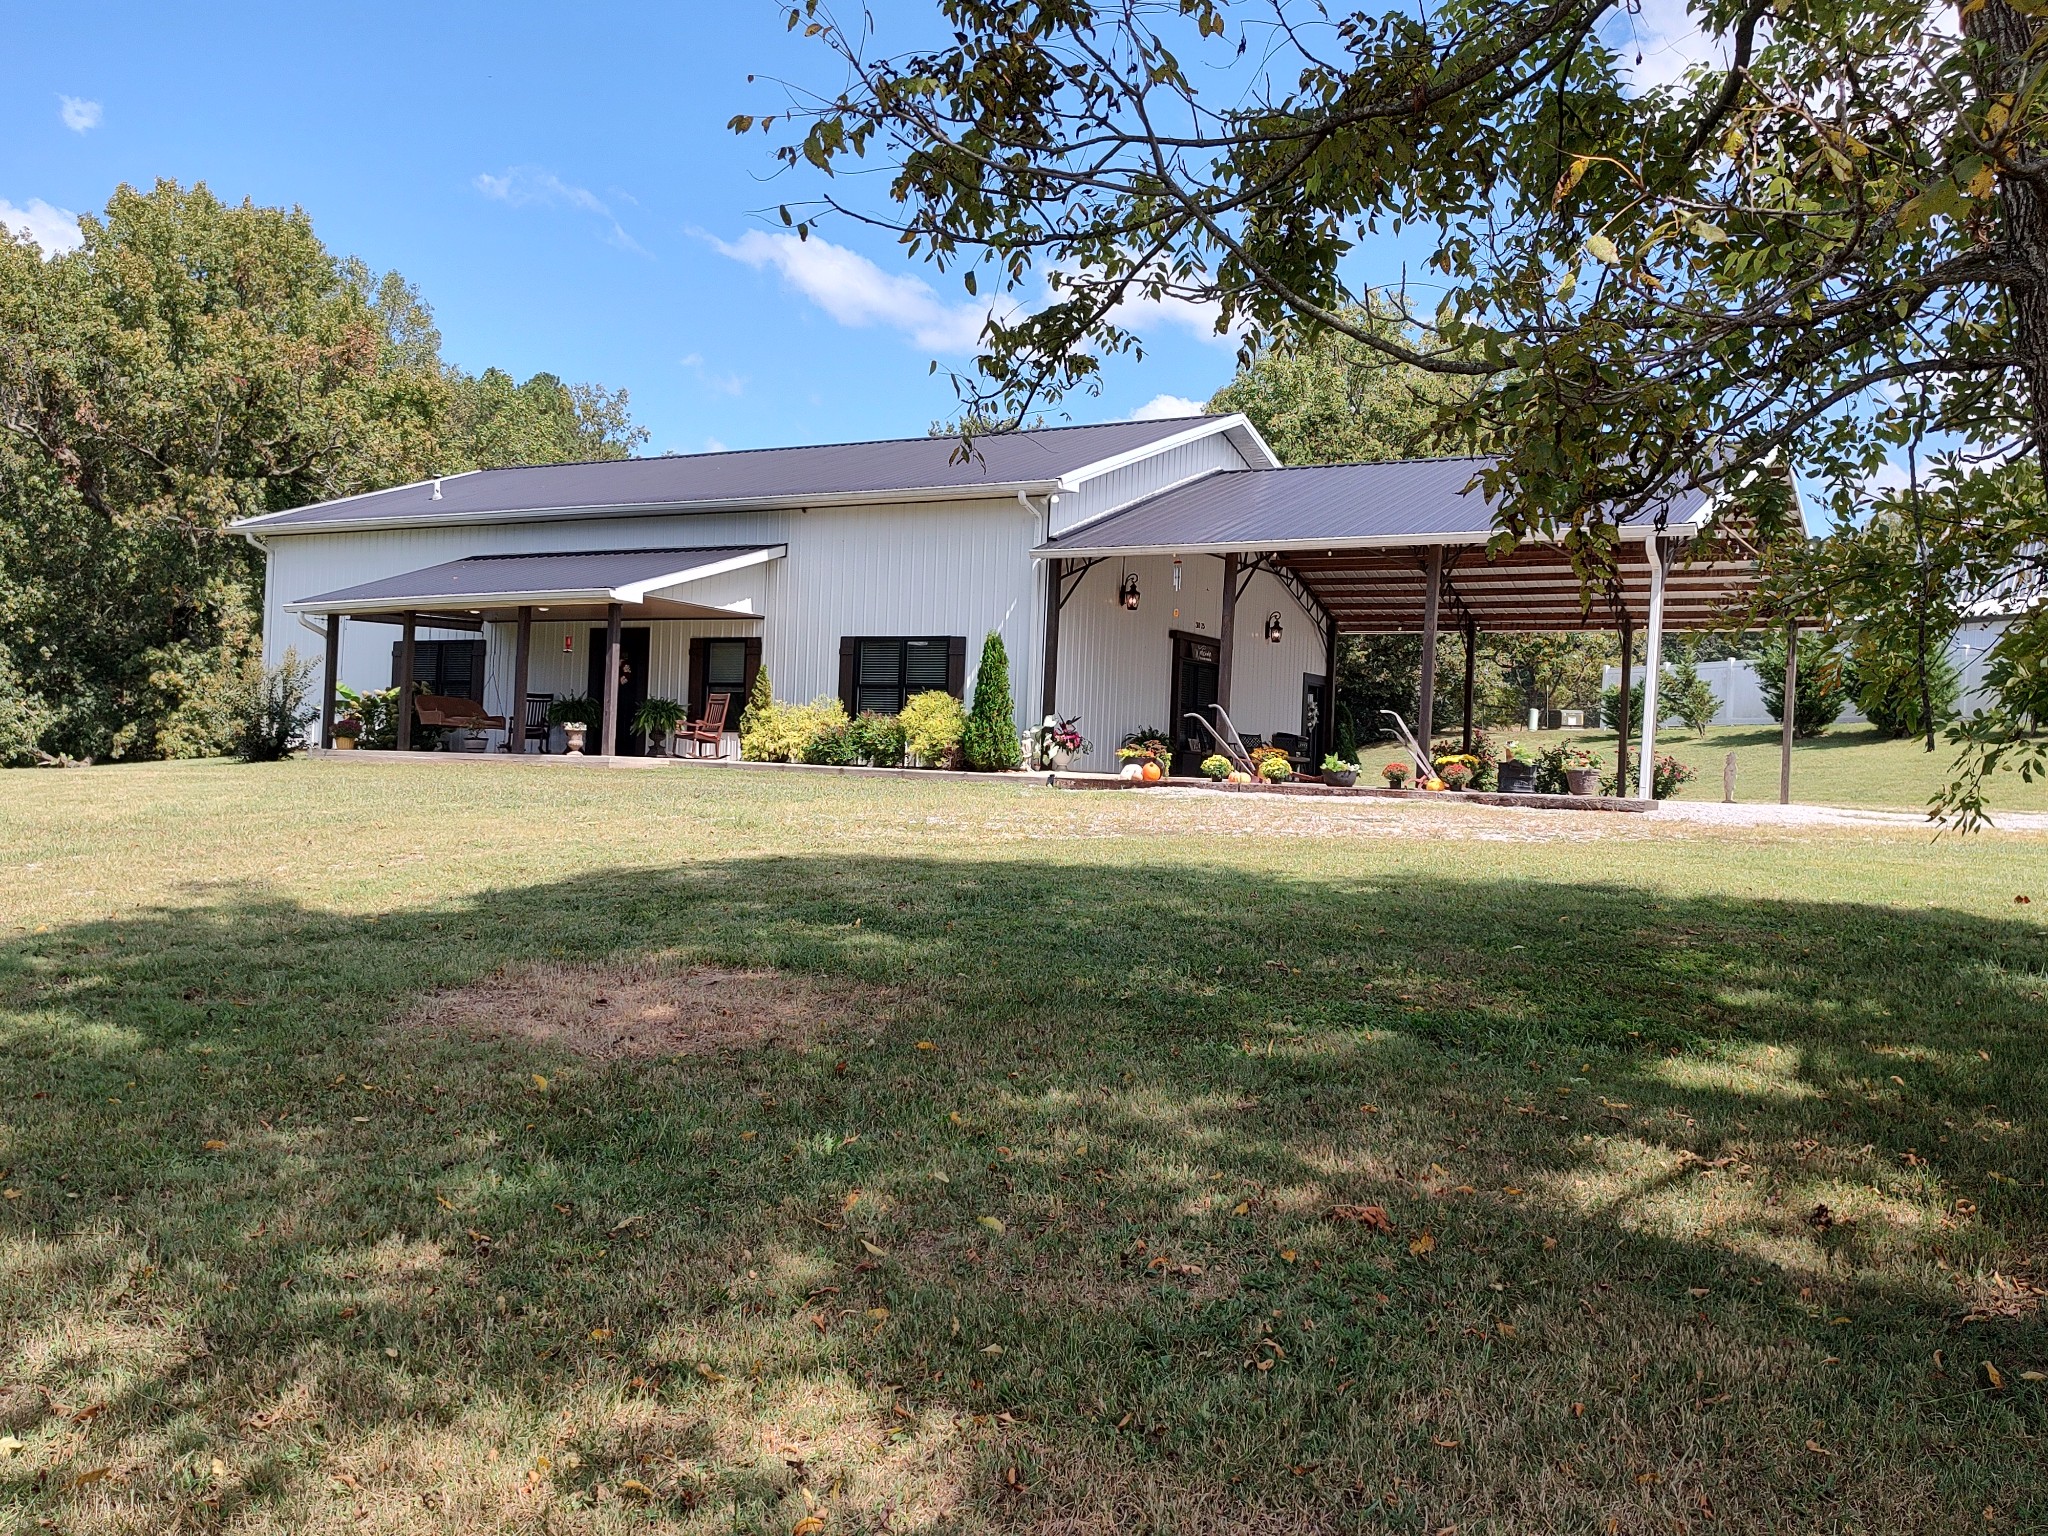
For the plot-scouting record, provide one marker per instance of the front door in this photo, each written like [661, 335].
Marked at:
[632, 689]
[1194, 692]
[1315, 741]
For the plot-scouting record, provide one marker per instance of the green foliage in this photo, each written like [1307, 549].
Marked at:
[933, 723]
[377, 711]
[988, 743]
[1894, 696]
[1347, 736]
[1667, 776]
[23, 718]
[657, 719]
[1216, 766]
[784, 733]
[1822, 684]
[832, 742]
[878, 739]
[574, 709]
[274, 709]
[760, 697]
[1688, 698]
[195, 362]
[1276, 770]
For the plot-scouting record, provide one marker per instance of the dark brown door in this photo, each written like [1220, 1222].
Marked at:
[632, 689]
[1194, 692]
[1316, 741]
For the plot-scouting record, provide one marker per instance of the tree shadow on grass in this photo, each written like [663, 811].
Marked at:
[1679, 1189]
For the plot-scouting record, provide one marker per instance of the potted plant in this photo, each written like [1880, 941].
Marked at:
[1582, 770]
[1338, 772]
[1397, 774]
[657, 719]
[1276, 769]
[573, 713]
[346, 730]
[1217, 767]
[1145, 755]
[1518, 770]
[1452, 773]
[1056, 743]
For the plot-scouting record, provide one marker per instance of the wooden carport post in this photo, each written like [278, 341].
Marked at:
[1628, 645]
[609, 745]
[1791, 712]
[522, 662]
[331, 679]
[1425, 705]
[1653, 660]
[403, 703]
[1471, 657]
[1329, 742]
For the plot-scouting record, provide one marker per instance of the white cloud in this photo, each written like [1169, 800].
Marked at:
[1166, 407]
[533, 186]
[54, 229]
[79, 114]
[723, 383]
[856, 292]
[713, 445]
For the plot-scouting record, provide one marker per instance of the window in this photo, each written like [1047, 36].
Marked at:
[725, 666]
[452, 668]
[879, 672]
[722, 666]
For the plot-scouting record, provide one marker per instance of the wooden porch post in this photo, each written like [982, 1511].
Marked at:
[1471, 661]
[331, 679]
[1226, 642]
[1049, 688]
[1628, 645]
[405, 666]
[1791, 712]
[1425, 706]
[522, 661]
[1653, 661]
[609, 746]
[1330, 686]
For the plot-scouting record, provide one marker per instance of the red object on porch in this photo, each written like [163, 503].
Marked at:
[709, 731]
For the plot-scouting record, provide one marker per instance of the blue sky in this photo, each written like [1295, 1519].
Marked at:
[558, 181]
[560, 184]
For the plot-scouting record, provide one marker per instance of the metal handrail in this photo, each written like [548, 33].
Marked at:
[1232, 745]
[1423, 765]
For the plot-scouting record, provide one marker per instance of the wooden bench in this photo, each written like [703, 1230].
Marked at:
[454, 714]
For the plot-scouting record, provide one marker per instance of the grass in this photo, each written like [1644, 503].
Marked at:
[1845, 765]
[1713, 1163]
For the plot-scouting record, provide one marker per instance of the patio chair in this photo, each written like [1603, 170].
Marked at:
[709, 732]
[1291, 744]
[535, 725]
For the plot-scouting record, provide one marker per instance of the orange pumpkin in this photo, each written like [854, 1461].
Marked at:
[1434, 784]
[1151, 773]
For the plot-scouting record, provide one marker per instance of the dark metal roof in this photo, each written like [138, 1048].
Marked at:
[495, 580]
[831, 471]
[1410, 501]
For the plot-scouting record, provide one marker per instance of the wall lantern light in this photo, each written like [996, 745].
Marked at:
[1273, 626]
[1128, 594]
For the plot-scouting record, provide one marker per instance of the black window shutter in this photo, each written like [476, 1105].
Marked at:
[476, 669]
[847, 650]
[398, 656]
[956, 666]
[753, 670]
[699, 664]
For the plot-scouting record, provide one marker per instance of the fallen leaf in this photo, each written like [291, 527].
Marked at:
[926, 1045]
[214, 1146]
[991, 1349]
[1448, 1445]
[707, 1373]
[807, 1525]
[1818, 1449]
[1373, 1216]
[1425, 1243]
[637, 1488]
[880, 1253]
[1993, 1378]
[993, 1223]
[540, 1082]
[1241, 1208]
[600, 1333]
[9, 1444]
[93, 1476]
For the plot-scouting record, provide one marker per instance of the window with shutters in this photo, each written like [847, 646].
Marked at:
[725, 666]
[888, 670]
[450, 668]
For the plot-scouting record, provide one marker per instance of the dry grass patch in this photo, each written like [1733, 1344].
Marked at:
[649, 1007]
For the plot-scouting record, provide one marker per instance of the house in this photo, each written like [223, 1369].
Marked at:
[1137, 572]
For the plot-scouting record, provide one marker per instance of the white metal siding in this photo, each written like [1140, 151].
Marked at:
[1119, 487]
[1116, 667]
[951, 568]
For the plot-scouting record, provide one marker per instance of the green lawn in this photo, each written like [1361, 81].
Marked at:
[1712, 1161]
[1844, 765]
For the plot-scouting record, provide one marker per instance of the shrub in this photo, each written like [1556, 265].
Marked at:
[1347, 736]
[1484, 757]
[932, 723]
[1823, 684]
[377, 710]
[877, 739]
[1666, 775]
[1888, 692]
[274, 709]
[1276, 770]
[1216, 766]
[989, 744]
[23, 718]
[1692, 702]
[832, 742]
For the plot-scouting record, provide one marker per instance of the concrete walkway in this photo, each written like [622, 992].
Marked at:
[1713, 812]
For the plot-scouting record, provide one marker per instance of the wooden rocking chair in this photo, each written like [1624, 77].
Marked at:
[708, 732]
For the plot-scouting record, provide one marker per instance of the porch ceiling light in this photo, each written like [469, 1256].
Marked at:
[1128, 595]
[1273, 626]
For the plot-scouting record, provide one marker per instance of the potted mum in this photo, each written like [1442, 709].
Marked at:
[1582, 770]
[1517, 772]
[1216, 766]
[1336, 771]
[346, 730]
[1396, 774]
[1454, 772]
[1276, 770]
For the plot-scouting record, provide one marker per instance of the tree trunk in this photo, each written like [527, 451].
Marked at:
[2023, 216]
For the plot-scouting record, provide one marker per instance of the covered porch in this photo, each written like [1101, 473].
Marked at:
[696, 600]
[1386, 549]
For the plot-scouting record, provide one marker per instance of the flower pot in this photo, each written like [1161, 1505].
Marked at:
[1060, 757]
[1583, 781]
[572, 740]
[344, 743]
[1342, 778]
[1517, 778]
